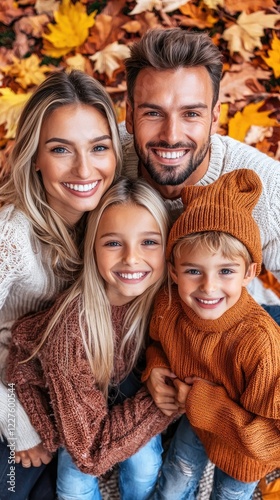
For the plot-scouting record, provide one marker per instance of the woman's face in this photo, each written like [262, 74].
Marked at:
[76, 159]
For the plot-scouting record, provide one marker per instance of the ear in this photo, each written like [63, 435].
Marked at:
[129, 117]
[250, 274]
[173, 273]
[215, 117]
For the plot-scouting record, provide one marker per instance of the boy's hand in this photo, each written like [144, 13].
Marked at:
[160, 386]
[35, 456]
[182, 393]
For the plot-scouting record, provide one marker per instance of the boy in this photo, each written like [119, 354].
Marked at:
[218, 340]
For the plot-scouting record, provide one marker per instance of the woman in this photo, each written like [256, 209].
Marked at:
[66, 155]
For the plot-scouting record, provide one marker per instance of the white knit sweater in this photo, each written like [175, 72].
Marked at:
[226, 155]
[27, 284]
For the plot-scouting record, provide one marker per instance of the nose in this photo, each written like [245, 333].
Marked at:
[208, 285]
[82, 166]
[171, 130]
[130, 256]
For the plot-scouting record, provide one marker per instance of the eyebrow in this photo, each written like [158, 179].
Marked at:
[66, 141]
[225, 264]
[186, 107]
[144, 233]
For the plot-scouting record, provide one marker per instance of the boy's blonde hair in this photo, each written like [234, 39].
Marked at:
[212, 241]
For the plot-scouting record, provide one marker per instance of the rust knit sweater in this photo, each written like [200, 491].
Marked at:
[238, 418]
[64, 403]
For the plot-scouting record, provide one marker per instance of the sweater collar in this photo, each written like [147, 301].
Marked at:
[230, 318]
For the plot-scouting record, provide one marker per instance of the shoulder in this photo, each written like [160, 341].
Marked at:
[14, 222]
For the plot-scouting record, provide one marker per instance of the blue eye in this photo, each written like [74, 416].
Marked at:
[112, 244]
[59, 149]
[150, 242]
[226, 271]
[100, 148]
[192, 271]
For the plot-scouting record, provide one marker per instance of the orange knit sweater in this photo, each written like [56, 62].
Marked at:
[237, 419]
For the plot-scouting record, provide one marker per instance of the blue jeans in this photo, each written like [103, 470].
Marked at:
[20, 482]
[137, 475]
[273, 311]
[183, 468]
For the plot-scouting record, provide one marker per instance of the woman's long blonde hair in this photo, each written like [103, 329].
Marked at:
[25, 188]
[95, 311]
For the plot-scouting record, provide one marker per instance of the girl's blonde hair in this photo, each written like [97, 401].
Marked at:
[25, 188]
[95, 311]
[212, 241]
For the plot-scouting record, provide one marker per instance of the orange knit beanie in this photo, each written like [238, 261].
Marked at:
[225, 205]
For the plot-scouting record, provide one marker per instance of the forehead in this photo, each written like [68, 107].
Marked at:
[165, 87]
[128, 215]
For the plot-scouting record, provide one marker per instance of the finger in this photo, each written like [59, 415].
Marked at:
[36, 462]
[26, 464]
[46, 459]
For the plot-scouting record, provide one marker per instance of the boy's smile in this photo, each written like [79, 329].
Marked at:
[210, 283]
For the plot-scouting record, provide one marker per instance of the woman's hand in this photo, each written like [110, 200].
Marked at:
[35, 456]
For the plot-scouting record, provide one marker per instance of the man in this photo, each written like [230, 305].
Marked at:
[173, 79]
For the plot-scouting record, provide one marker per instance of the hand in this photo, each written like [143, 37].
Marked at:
[35, 456]
[161, 388]
[182, 393]
[191, 380]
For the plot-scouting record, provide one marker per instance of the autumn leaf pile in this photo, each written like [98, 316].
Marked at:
[40, 36]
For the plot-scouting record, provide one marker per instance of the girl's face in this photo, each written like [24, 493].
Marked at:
[129, 252]
[76, 159]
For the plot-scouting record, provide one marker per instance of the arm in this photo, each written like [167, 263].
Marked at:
[95, 437]
[252, 434]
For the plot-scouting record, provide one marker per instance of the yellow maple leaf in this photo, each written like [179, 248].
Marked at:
[11, 105]
[108, 59]
[250, 115]
[244, 36]
[27, 71]
[273, 61]
[223, 118]
[70, 31]
[76, 62]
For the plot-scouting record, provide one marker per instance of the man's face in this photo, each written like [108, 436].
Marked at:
[172, 120]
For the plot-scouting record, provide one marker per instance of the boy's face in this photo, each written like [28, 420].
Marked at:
[210, 283]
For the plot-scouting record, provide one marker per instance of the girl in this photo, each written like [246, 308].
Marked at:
[65, 157]
[88, 355]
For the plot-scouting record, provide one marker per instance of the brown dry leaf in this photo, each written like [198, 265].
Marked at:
[32, 25]
[9, 11]
[11, 105]
[248, 6]
[196, 16]
[109, 59]
[46, 7]
[132, 27]
[164, 5]
[273, 59]
[244, 36]
[213, 4]
[250, 115]
[257, 134]
[76, 62]
[239, 81]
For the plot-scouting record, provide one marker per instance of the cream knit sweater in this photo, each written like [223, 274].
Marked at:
[226, 155]
[27, 284]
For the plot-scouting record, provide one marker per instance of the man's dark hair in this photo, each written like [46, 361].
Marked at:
[174, 48]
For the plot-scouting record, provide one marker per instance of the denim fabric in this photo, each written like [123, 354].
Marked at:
[183, 468]
[17, 483]
[273, 311]
[137, 475]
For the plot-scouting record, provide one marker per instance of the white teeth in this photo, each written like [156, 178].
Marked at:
[209, 302]
[170, 154]
[131, 276]
[82, 188]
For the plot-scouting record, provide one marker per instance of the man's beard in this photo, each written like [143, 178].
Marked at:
[169, 175]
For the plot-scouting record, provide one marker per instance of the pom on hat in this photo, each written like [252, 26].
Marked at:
[225, 205]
